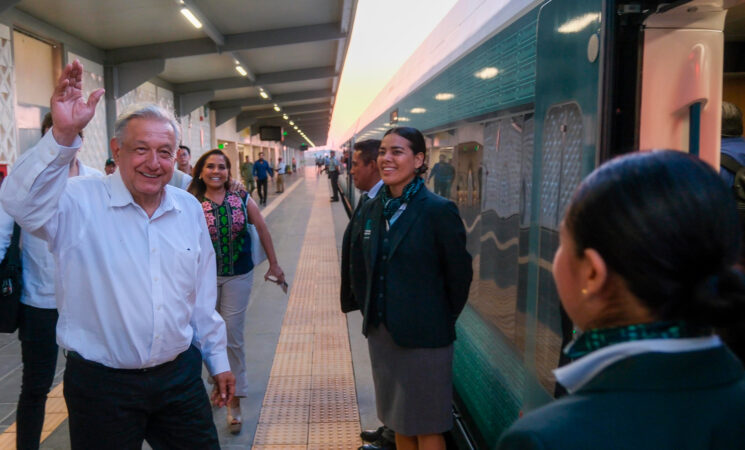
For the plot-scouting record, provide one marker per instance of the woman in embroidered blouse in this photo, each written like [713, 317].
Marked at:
[645, 268]
[225, 211]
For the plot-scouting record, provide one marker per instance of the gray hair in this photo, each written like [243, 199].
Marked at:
[146, 111]
[731, 120]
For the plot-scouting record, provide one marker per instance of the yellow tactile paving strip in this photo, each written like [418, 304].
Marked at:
[56, 413]
[310, 401]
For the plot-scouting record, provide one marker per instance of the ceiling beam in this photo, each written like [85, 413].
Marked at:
[130, 75]
[233, 42]
[282, 98]
[186, 103]
[287, 76]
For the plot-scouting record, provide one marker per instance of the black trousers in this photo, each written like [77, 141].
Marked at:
[261, 188]
[37, 333]
[119, 409]
[334, 178]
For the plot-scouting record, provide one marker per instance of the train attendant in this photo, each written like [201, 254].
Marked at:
[225, 211]
[644, 267]
[417, 273]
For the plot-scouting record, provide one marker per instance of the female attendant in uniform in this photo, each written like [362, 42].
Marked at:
[418, 273]
[645, 268]
[225, 211]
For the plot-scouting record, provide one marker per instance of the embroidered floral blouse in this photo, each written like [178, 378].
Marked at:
[227, 227]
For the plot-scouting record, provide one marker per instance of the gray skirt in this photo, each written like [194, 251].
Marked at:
[413, 386]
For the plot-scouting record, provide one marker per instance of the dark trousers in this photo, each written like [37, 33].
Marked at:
[36, 331]
[334, 178]
[119, 409]
[261, 188]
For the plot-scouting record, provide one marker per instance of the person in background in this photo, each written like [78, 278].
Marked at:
[417, 274]
[294, 165]
[281, 169]
[227, 213]
[38, 318]
[136, 312]
[262, 172]
[366, 177]
[110, 166]
[247, 169]
[733, 142]
[644, 270]
[444, 174]
[332, 168]
[183, 159]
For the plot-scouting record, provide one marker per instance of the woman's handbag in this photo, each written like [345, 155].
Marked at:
[11, 280]
[258, 255]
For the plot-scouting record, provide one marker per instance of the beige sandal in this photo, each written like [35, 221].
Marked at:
[234, 420]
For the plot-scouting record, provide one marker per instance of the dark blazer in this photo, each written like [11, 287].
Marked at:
[427, 269]
[656, 401]
[352, 264]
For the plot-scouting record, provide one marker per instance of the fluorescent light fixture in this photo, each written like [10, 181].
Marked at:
[236, 62]
[295, 127]
[404, 119]
[277, 108]
[418, 110]
[285, 116]
[487, 73]
[263, 93]
[579, 23]
[443, 96]
[191, 18]
[292, 123]
[241, 70]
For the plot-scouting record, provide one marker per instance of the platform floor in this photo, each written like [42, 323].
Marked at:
[308, 368]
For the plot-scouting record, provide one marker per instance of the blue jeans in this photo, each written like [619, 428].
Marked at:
[36, 331]
[120, 408]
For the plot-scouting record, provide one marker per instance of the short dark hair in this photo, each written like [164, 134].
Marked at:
[416, 139]
[368, 149]
[731, 120]
[668, 226]
[197, 187]
[46, 124]
[110, 162]
[188, 150]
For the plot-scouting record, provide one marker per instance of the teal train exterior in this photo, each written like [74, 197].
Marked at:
[522, 117]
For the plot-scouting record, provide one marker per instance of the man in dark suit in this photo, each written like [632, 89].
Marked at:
[366, 178]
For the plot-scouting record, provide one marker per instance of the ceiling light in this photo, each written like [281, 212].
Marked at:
[404, 119]
[292, 123]
[295, 127]
[442, 96]
[486, 73]
[188, 14]
[418, 110]
[277, 108]
[263, 93]
[241, 70]
[285, 116]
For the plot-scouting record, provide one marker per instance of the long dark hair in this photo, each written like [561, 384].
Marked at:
[416, 141]
[666, 223]
[197, 188]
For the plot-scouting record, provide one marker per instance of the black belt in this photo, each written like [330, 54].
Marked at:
[75, 356]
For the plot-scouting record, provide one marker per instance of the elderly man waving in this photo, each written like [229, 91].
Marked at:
[136, 300]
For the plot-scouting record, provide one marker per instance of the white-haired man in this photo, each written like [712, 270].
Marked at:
[136, 307]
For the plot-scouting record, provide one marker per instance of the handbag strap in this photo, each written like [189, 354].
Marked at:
[13, 256]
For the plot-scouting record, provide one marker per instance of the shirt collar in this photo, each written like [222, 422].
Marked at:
[120, 195]
[373, 192]
[575, 375]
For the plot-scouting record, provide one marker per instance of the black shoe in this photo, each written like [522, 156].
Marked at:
[372, 435]
[334, 199]
[380, 444]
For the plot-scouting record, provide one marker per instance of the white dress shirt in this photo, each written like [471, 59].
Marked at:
[132, 291]
[38, 262]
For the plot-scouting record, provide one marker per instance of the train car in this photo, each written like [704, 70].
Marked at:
[515, 116]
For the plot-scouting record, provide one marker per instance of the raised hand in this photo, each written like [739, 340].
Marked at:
[70, 112]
